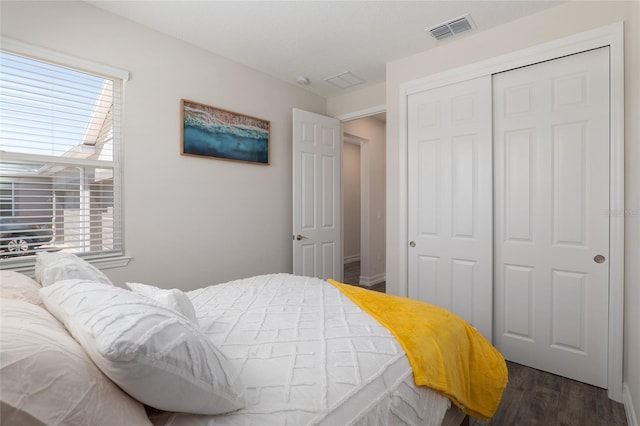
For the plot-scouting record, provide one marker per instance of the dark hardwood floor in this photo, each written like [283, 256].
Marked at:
[352, 276]
[535, 397]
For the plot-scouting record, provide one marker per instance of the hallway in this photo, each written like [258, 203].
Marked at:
[352, 276]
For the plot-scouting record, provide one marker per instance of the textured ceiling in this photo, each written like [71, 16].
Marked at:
[316, 39]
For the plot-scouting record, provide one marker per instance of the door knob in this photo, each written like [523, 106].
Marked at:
[599, 258]
[300, 237]
[412, 243]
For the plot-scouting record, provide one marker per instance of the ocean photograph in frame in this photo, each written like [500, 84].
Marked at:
[217, 133]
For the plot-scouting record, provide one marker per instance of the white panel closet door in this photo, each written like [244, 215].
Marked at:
[449, 200]
[551, 130]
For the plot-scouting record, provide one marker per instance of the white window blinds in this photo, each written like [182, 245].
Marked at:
[59, 164]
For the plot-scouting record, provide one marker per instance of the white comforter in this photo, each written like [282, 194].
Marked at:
[307, 355]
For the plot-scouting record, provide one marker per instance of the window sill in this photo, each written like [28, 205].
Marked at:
[27, 267]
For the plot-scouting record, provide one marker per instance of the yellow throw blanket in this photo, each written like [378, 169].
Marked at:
[445, 352]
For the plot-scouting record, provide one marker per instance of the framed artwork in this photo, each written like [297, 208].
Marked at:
[217, 133]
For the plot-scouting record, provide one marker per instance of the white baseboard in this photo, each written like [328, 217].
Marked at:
[371, 281]
[632, 420]
[352, 258]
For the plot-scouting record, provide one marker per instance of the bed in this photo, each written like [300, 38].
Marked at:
[279, 349]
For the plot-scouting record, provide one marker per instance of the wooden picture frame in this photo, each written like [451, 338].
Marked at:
[212, 132]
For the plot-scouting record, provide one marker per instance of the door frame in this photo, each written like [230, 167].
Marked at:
[365, 202]
[364, 191]
[613, 36]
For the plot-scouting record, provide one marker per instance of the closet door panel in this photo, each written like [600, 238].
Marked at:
[551, 146]
[518, 185]
[450, 224]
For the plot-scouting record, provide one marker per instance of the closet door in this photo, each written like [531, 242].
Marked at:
[551, 130]
[449, 200]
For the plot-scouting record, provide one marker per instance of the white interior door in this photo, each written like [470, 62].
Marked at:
[449, 200]
[317, 208]
[551, 129]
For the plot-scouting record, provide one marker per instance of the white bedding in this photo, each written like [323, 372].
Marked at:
[307, 355]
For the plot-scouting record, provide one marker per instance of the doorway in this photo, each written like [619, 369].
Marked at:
[352, 197]
[364, 199]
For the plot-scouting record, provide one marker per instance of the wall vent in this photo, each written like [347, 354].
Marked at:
[447, 29]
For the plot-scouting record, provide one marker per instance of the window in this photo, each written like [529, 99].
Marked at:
[59, 165]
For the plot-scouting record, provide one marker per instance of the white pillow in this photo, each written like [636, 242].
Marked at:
[53, 267]
[156, 356]
[14, 285]
[171, 298]
[48, 379]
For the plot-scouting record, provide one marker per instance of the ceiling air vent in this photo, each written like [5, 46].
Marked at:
[441, 32]
[345, 80]
[450, 28]
[460, 25]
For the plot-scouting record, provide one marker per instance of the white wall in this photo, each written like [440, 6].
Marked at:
[566, 19]
[373, 260]
[351, 201]
[188, 221]
[358, 100]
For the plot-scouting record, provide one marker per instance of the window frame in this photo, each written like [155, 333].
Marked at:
[116, 259]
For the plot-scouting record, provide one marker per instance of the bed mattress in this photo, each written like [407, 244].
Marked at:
[306, 354]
